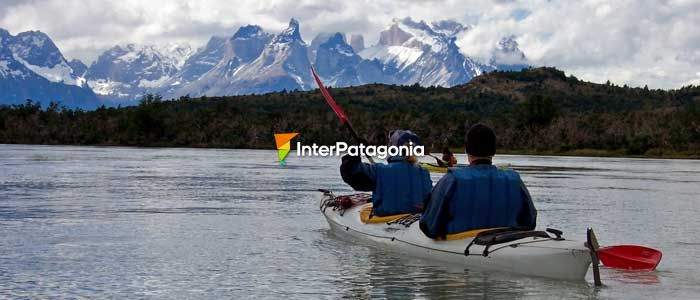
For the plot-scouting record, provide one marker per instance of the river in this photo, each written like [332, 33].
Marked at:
[114, 222]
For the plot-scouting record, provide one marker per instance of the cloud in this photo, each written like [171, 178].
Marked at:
[627, 42]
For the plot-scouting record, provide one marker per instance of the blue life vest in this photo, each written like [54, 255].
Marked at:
[400, 187]
[484, 197]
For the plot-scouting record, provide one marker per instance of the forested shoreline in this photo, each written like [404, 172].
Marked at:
[534, 111]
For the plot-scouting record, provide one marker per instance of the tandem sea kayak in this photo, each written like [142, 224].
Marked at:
[531, 253]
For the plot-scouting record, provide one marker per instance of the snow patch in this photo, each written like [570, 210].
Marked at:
[60, 73]
[399, 55]
[7, 72]
[149, 84]
[342, 50]
[4, 68]
[169, 54]
[423, 37]
[104, 87]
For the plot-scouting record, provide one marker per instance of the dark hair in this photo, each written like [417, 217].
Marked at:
[480, 140]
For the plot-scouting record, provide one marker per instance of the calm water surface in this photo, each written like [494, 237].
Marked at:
[93, 222]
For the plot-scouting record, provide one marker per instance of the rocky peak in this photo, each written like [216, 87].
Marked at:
[79, 68]
[393, 36]
[448, 27]
[289, 35]
[357, 42]
[36, 48]
[248, 31]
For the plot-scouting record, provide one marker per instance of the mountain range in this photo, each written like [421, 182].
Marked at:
[251, 61]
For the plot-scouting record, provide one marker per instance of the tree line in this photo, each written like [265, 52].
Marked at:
[538, 110]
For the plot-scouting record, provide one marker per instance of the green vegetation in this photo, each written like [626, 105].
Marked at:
[533, 111]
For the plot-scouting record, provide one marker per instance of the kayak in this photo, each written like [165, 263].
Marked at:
[434, 168]
[531, 253]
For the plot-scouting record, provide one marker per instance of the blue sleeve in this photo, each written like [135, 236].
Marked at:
[527, 218]
[360, 176]
[434, 221]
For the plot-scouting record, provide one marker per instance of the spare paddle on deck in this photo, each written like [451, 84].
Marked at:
[338, 111]
[630, 257]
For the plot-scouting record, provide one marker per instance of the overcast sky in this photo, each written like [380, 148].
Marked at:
[629, 42]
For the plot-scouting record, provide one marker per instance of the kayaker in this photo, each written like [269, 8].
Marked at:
[448, 158]
[479, 195]
[398, 187]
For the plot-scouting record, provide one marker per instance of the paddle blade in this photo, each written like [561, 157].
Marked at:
[630, 257]
[338, 111]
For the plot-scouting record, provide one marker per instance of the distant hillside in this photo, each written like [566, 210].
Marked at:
[533, 111]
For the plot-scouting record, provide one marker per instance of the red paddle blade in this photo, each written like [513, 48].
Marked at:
[630, 257]
[338, 111]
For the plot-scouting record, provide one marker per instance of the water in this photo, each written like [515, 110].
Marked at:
[93, 222]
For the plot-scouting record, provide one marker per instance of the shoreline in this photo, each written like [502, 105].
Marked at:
[572, 153]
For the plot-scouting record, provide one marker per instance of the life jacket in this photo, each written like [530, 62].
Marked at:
[400, 187]
[484, 197]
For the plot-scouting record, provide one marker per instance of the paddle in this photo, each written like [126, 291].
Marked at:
[338, 111]
[592, 244]
[630, 257]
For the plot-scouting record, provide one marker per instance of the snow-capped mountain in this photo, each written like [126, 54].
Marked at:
[32, 67]
[198, 64]
[256, 62]
[416, 52]
[129, 72]
[242, 48]
[250, 61]
[338, 64]
[37, 52]
[204, 59]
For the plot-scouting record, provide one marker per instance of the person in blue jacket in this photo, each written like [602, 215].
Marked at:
[398, 187]
[479, 195]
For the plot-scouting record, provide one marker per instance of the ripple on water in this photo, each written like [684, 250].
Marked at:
[103, 222]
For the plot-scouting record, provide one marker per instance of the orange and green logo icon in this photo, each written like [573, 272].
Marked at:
[283, 146]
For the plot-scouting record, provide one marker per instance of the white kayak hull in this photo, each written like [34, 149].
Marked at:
[541, 257]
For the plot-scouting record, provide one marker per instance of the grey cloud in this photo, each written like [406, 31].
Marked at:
[632, 42]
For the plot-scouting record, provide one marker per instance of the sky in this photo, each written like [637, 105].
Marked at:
[654, 43]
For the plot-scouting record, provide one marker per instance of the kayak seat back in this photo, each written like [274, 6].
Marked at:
[367, 217]
[467, 234]
[497, 236]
